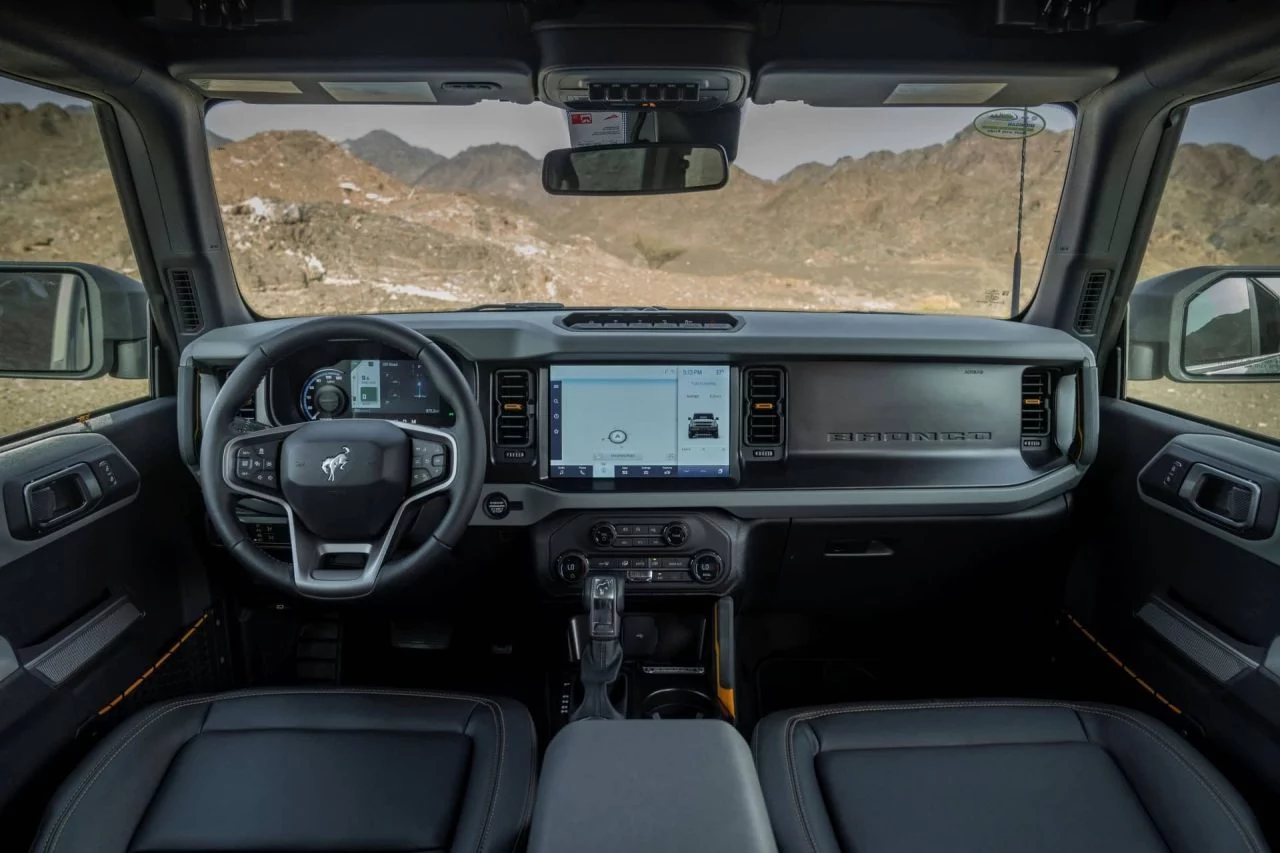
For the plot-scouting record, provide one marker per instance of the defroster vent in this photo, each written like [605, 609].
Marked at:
[1090, 307]
[513, 399]
[1036, 406]
[186, 305]
[764, 397]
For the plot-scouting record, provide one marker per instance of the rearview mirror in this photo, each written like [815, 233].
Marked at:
[1207, 324]
[647, 168]
[71, 321]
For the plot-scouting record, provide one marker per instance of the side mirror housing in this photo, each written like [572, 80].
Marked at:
[71, 321]
[1206, 324]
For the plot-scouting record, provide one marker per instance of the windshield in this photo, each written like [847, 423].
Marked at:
[366, 208]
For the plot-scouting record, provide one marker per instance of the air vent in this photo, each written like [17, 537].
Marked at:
[186, 305]
[1036, 406]
[650, 321]
[1095, 288]
[513, 408]
[765, 423]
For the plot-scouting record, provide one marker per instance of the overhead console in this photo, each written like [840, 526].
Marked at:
[678, 60]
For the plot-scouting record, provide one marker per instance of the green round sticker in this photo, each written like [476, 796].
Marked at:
[1009, 123]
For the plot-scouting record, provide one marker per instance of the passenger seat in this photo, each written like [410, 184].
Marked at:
[994, 776]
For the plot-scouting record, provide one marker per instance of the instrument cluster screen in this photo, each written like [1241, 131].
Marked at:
[639, 421]
[394, 389]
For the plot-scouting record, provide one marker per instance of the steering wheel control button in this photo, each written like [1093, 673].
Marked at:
[571, 566]
[429, 461]
[706, 567]
[256, 463]
[496, 506]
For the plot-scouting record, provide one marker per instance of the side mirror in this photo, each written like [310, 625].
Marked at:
[1207, 324]
[647, 168]
[71, 321]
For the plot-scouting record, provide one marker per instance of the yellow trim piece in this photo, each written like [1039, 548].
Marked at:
[151, 670]
[1114, 659]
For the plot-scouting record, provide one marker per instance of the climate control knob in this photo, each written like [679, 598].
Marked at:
[675, 534]
[572, 566]
[603, 534]
[706, 566]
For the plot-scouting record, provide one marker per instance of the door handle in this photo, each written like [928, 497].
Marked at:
[61, 496]
[1223, 497]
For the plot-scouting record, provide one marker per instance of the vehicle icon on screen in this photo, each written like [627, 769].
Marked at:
[704, 425]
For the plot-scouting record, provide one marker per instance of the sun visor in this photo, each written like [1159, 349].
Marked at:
[453, 84]
[901, 84]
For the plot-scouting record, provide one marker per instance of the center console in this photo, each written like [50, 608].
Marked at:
[637, 786]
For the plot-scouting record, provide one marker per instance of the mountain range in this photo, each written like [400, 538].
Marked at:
[376, 223]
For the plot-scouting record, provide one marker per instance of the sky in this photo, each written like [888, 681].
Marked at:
[774, 138]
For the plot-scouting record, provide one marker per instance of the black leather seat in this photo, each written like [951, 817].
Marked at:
[340, 769]
[992, 776]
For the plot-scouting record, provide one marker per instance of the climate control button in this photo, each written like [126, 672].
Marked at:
[572, 566]
[675, 534]
[603, 534]
[706, 567]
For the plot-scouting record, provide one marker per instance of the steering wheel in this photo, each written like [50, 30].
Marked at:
[347, 486]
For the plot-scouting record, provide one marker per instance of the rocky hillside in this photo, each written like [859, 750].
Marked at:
[317, 226]
[388, 152]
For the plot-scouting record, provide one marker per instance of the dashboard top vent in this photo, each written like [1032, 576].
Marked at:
[651, 321]
[1035, 404]
[186, 305]
[1090, 307]
[512, 408]
[764, 393]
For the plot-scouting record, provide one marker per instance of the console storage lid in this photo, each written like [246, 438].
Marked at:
[636, 786]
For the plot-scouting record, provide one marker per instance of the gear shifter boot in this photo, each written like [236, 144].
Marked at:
[601, 662]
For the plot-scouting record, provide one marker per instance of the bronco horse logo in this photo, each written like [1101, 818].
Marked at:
[334, 464]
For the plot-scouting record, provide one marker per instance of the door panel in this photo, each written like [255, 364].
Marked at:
[1190, 601]
[88, 604]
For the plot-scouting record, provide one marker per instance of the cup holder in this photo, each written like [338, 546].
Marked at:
[678, 703]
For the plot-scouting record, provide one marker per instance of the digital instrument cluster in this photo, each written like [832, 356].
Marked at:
[393, 389]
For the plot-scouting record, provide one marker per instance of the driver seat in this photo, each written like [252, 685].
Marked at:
[296, 769]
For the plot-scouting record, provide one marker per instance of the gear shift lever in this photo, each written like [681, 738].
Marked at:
[602, 595]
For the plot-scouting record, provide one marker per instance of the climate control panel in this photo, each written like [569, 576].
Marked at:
[691, 553]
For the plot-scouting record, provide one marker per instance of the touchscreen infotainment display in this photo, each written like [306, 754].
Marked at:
[624, 421]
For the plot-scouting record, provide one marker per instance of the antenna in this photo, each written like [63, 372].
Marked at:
[1015, 296]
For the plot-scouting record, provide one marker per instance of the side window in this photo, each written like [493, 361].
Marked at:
[58, 204]
[1204, 320]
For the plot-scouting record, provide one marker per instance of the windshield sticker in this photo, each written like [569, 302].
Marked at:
[1009, 124]
[597, 128]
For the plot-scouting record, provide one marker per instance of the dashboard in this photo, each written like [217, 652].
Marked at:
[756, 414]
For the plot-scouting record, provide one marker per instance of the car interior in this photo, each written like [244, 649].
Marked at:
[675, 475]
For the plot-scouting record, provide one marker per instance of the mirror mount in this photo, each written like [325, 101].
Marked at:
[1206, 324]
[77, 321]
